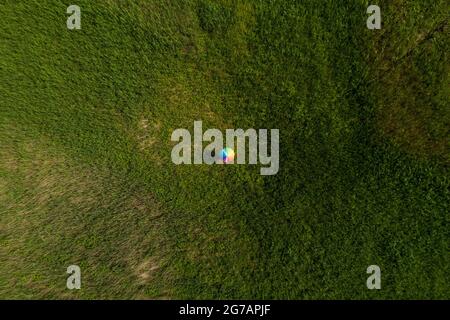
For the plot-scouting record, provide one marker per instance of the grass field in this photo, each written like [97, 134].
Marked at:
[86, 176]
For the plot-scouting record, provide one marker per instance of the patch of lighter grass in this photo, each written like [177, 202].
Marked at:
[56, 212]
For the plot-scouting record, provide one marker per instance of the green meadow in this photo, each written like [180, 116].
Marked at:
[86, 176]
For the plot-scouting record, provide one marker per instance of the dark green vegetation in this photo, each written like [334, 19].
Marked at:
[85, 170]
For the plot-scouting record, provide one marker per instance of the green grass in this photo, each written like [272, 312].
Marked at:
[86, 176]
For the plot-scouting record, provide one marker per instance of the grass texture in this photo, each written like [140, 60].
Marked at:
[86, 176]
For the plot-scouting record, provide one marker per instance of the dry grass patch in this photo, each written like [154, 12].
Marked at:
[55, 212]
